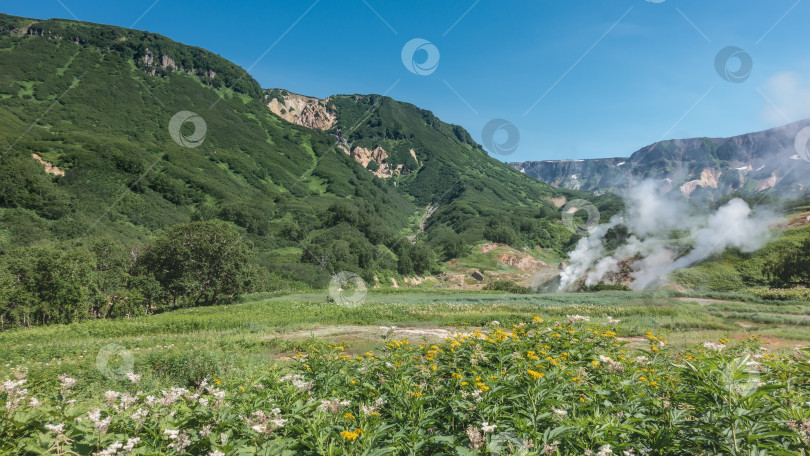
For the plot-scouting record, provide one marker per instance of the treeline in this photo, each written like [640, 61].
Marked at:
[192, 264]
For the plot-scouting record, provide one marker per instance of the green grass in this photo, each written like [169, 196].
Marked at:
[245, 349]
[250, 336]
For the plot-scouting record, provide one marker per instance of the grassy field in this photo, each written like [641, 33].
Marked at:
[187, 345]
[269, 335]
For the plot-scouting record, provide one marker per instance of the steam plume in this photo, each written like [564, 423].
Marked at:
[657, 223]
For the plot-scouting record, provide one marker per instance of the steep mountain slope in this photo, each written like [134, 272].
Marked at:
[358, 183]
[702, 168]
[467, 195]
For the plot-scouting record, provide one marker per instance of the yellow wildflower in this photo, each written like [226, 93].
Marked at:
[535, 375]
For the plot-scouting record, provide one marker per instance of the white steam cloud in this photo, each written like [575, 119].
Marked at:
[653, 220]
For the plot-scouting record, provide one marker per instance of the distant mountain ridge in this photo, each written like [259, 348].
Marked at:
[699, 168]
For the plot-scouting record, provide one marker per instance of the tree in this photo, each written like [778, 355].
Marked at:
[49, 285]
[199, 263]
[791, 267]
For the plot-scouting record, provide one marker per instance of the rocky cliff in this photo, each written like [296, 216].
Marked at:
[301, 110]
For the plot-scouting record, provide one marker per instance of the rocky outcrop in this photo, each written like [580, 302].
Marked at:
[765, 184]
[166, 63]
[708, 178]
[378, 155]
[301, 110]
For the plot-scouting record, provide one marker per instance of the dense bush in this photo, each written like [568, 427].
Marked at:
[199, 263]
[791, 267]
[508, 287]
[602, 286]
[781, 294]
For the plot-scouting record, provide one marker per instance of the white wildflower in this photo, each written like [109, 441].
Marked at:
[111, 396]
[67, 382]
[133, 377]
[714, 346]
[278, 422]
[181, 442]
[131, 443]
[576, 318]
[604, 451]
[55, 428]
[111, 450]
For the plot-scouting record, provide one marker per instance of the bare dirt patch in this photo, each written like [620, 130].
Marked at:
[702, 301]
[748, 324]
[349, 333]
[486, 248]
[49, 167]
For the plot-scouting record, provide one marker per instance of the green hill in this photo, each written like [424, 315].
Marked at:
[86, 154]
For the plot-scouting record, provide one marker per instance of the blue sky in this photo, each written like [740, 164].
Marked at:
[605, 78]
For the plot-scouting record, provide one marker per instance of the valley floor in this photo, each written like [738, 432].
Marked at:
[267, 335]
[255, 333]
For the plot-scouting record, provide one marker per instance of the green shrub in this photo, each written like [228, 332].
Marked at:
[508, 287]
[187, 368]
[602, 286]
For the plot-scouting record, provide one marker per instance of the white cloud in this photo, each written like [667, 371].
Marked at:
[790, 97]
